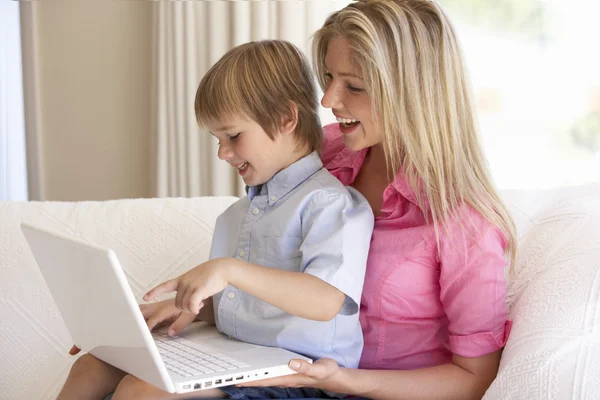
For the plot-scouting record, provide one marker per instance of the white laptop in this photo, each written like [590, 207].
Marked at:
[104, 319]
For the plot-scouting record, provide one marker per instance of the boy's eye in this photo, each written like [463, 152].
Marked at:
[328, 76]
[233, 138]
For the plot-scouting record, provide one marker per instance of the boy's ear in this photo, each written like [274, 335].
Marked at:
[289, 121]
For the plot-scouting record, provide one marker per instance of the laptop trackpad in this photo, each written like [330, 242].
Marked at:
[225, 344]
[208, 336]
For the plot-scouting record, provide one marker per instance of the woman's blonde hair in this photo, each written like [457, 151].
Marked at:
[413, 71]
[262, 80]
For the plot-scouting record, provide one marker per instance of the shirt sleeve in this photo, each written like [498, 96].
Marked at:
[337, 229]
[473, 285]
[227, 226]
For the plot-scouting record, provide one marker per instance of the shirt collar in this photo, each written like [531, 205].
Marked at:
[354, 160]
[287, 179]
[347, 158]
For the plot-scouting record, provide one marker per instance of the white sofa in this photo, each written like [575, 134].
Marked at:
[554, 294]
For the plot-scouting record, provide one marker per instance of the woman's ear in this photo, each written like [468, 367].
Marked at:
[290, 120]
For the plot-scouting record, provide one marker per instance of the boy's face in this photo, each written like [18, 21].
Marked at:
[247, 147]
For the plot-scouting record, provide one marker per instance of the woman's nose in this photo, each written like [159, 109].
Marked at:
[331, 97]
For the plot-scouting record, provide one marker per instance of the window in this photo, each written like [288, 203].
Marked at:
[13, 175]
[535, 69]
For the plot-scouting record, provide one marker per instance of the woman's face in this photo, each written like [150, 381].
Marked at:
[346, 96]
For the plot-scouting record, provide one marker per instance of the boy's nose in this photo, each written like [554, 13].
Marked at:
[224, 153]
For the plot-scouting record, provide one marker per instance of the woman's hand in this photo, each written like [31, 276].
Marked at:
[195, 285]
[323, 374]
[165, 312]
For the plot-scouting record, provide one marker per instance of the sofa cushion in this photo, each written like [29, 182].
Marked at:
[553, 351]
[154, 239]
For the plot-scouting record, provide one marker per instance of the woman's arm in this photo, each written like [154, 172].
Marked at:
[463, 379]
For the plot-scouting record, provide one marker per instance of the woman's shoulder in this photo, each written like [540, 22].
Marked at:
[333, 143]
[469, 226]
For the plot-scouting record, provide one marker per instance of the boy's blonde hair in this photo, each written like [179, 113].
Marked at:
[262, 81]
[413, 71]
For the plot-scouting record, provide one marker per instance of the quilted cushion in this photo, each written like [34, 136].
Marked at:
[553, 298]
[154, 239]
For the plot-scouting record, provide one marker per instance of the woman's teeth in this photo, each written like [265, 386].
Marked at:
[242, 166]
[347, 122]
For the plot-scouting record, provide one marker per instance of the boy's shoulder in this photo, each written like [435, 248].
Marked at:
[322, 187]
[323, 182]
[240, 206]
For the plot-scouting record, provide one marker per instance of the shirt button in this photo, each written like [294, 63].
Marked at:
[231, 295]
[242, 253]
[273, 198]
[255, 211]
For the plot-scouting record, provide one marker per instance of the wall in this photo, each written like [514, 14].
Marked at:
[93, 62]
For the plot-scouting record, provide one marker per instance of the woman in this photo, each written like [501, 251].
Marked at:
[432, 311]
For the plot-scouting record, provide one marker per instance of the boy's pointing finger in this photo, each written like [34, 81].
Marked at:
[165, 287]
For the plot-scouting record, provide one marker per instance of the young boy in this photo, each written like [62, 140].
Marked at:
[287, 261]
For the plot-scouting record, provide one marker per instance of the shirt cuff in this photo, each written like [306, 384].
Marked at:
[479, 344]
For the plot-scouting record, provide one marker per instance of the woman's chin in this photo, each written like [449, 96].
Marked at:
[355, 143]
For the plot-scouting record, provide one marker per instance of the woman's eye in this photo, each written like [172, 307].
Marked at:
[328, 76]
[233, 138]
[354, 89]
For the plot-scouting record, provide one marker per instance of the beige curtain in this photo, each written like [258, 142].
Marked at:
[188, 37]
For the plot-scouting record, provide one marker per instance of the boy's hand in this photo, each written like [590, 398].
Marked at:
[195, 285]
[164, 312]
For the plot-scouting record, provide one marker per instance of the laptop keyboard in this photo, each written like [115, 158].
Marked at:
[183, 359]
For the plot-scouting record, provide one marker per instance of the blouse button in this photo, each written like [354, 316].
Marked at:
[255, 211]
[231, 295]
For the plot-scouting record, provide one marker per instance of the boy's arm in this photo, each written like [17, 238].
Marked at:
[336, 235]
[296, 293]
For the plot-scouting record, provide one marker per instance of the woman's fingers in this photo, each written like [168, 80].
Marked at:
[295, 380]
[181, 322]
[74, 350]
[321, 369]
[155, 320]
[148, 310]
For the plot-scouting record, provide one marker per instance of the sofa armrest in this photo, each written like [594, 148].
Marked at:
[154, 239]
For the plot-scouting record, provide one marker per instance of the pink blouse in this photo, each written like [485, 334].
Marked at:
[420, 305]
